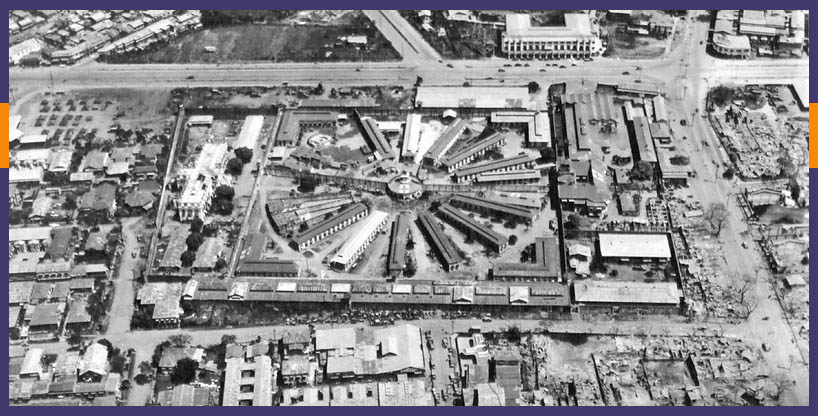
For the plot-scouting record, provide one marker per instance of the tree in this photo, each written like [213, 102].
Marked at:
[70, 202]
[221, 264]
[307, 184]
[533, 87]
[187, 258]
[180, 341]
[795, 189]
[319, 90]
[75, 338]
[118, 364]
[96, 307]
[721, 95]
[419, 81]
[729, 173]
[146, 368]
[781, 383]
[411, 267]
[225, 192]
[642, 171]
[185, 371]
[234, 166]
[244, 154]
[194, 241]
[514, 334]
[578, 222]
[716, 217]
[210, 230]
[512, 240]
[196, 225]
[228, 339]
[222, 207]
[746, 297]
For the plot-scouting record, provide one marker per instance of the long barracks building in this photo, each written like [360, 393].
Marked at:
[326, 228]
[444, 142]
[466, 155]
[487, 237]
[312, 294]
[374, 137]
[396, 260]
[355, 246]
[445, 250]
[492, 207]
[517, 177]
[469, 173]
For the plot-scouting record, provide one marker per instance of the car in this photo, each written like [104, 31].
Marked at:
[190, 77]
[573, 64]
[562, 67]
[501, 70]
[542, 69]
[518, 64]
[526, 65]
[450, 65]
[626, 73]
[638, 81]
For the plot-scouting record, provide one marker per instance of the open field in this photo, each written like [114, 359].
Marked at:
[270, 42]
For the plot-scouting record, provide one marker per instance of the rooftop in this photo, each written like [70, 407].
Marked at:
[636, 245]
[665, 293]
[467, 97]
[577, 25]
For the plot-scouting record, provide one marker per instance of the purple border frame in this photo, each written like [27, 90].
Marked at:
[415, 4]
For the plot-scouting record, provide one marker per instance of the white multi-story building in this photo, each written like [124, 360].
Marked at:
[21, 50]
[202, 180]
[576, 39]
[737, 46]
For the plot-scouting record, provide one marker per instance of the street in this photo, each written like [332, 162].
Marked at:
[686, 72]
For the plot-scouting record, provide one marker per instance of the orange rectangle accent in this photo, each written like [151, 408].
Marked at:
[813, 132]
[4, 152]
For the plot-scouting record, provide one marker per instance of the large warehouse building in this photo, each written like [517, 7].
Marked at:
[635, 247]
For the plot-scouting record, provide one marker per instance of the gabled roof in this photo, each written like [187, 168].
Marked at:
[94, 360]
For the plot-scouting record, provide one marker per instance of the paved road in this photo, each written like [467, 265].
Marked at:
[664, 71]
[687, 72]
[767, 324]
[122, 306]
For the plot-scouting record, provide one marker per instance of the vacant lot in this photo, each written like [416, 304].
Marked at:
[269, 42]
[631, 46]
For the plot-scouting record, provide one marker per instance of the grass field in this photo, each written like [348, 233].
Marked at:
[270, 42]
